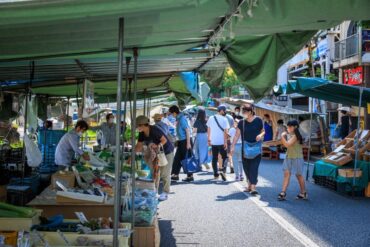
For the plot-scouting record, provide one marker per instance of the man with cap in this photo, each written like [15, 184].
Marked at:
[153, 137]
[218, 127]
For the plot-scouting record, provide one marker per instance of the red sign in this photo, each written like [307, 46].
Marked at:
[353, 76]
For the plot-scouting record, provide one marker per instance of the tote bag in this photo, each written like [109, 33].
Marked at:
[190, 164]
[162, 160]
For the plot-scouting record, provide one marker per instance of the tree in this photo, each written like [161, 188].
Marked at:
[230, 82]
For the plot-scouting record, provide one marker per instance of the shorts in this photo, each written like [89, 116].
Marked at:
[294, 165]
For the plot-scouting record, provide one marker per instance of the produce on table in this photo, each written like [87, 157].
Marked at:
[11, 211]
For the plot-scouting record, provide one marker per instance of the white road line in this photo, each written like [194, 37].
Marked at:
[306, 241]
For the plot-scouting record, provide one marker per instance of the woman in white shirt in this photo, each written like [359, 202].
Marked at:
[237, 155]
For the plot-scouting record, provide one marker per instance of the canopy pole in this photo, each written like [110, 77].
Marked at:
[309, 141]
[145, 101]
[133, 140]
[357, 135]
[128, 61]
[68, 112]
[117, 196]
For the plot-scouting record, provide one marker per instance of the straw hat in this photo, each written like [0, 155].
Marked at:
[157, 117]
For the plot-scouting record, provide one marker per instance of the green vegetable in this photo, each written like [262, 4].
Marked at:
[10, 214]
[22, 211]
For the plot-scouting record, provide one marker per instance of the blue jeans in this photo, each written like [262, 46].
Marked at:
[251, 169]
[237, 160]
[201, 148]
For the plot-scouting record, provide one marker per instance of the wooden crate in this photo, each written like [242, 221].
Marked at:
[19, 224]
[147, 236]
[338, 159]
[54, 239]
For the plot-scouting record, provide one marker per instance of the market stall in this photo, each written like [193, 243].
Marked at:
[352, 151]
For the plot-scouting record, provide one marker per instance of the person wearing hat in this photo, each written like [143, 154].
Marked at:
[153, 137]
[160, 124]
[218, 127]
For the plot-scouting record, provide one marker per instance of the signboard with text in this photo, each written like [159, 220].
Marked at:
[353, 76]
[88, 98]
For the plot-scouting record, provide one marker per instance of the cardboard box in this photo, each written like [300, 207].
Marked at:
[147, 236]
[67, 178]
[338, 159]
[54, 239]
[19, 224]
[350, 173]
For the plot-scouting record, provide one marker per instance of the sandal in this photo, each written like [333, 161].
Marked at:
[282, 196]
[247, 190]
[302, 196]
[254, 192]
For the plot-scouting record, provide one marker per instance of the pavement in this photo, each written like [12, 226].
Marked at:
[209, 213]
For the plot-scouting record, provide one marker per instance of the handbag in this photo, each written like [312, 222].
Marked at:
[250, 149]
[190, 164]
[162, 160]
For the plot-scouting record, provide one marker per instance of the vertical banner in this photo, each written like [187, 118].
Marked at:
[88, 98]
[368, 108]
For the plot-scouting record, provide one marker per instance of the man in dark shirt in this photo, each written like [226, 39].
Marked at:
[154, 138]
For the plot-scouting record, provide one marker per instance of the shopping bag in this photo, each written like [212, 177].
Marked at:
[162, 160]
[190, 164]
[251, 149]
[33, 154]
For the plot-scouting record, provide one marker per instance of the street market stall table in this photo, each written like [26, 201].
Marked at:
[47, 202]
[329, 171]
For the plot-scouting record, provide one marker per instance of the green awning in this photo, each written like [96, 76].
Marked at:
[329, 91]
[271, 32]
[261, 37]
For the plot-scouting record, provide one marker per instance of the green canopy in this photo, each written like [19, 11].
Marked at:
[329, 91]
[268, 33]
[107, 91]
[256, 59]
[256, 36]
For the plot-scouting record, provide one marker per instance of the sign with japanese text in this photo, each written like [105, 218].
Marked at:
[353, 76]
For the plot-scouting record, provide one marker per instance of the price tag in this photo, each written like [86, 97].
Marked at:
[81, 216]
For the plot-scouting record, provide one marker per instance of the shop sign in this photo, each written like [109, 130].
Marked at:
[353, 76]
[88, 99]
[322, 47]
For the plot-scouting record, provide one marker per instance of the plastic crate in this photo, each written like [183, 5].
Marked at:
[50, 169]
[32, 181]
[347, 189]
[15, 155]
[48, 154]
[47, 137]
[327, 182]
[19, 195]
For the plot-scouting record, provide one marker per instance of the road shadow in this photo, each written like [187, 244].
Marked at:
[237, 195]
[166, 230]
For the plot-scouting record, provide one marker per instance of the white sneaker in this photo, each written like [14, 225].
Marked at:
[163, 197]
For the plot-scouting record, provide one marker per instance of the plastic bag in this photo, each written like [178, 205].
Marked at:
[95, 161]
[34, 157]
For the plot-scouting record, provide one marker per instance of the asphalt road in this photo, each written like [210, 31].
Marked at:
[208, 213]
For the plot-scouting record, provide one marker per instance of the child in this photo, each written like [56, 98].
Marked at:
[294, 159]
[237, 155]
